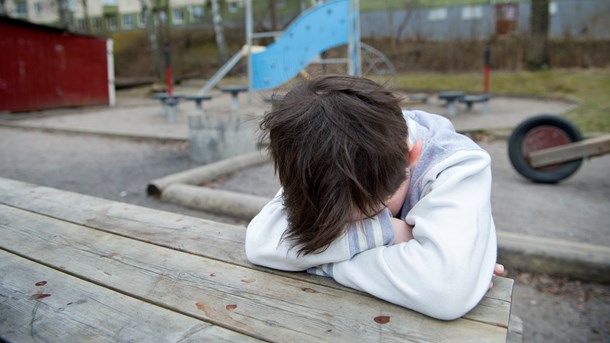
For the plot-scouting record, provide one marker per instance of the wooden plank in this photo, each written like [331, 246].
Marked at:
[193, 235]
[568, 152]
[515, 330]
[249, 301]
[43, 304]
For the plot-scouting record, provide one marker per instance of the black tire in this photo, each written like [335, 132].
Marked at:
[518, 155]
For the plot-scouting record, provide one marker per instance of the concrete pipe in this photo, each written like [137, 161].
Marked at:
[238, 205]
[207, 173]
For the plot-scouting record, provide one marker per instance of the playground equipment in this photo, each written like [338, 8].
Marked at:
[320, 28]
[323, 27]
[548, 149]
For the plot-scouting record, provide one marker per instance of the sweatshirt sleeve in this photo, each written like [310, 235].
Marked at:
[446, 269]
[265, 244]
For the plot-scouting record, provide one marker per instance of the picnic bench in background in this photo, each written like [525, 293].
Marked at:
[234, 90]
[75, 268]
[169, 103]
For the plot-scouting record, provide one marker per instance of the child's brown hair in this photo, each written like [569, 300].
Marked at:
[339, 145]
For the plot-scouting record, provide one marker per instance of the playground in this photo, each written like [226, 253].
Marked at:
[191, 151]
[114, 153]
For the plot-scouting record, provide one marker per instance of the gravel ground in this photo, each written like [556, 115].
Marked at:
[553, 310]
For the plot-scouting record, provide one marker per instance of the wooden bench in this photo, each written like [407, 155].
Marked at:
[198, 99]
[73, 267]
[471, 99]
[169, 104]
[450, 98]
[234, 91]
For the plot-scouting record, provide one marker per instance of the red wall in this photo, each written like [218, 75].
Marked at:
[44, 68]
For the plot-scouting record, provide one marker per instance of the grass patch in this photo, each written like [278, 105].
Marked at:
[590, 88]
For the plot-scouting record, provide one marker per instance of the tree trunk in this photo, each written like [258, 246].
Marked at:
[220, 38]
[409, 7]
[147, 14]
[537, 48]
[3, 10]
[64, 15]
[273, 12]
[87, 27]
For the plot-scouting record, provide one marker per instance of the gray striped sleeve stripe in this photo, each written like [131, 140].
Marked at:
[387, 230]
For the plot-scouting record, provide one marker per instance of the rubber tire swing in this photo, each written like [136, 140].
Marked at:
[537, 133]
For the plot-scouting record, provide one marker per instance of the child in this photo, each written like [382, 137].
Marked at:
[392, 203]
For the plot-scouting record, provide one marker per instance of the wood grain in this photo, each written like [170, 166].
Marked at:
[267, 306]
[40, 304]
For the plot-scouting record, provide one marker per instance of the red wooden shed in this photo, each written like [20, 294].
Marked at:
[42, 67]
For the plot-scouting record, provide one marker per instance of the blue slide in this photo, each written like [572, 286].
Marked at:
[315, 31]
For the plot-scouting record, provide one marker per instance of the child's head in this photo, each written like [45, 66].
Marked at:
[339, 144]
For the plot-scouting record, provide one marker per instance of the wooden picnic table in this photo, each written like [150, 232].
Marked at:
[77, 268]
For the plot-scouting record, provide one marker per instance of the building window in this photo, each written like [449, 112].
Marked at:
[128, 21]
[197, 13]
[162, 17]
[437, 14]
[233, 7]
[80, 24]
[71, 5]
[178, 15]
[111, 23]
[96, 24]
[552, 8]
[37, 8]
[143, 19]
[472, 12]
[21, 9]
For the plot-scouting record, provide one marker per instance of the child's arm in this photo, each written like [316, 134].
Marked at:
[445, 271]
[265, 246]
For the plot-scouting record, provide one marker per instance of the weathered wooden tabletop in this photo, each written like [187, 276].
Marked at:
[75, 268]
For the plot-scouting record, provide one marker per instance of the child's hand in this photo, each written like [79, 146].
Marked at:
[403, 232]
[498, 270]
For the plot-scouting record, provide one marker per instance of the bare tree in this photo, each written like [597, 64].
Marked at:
[87, 27]
[147, 17]
[65, 15]
[538, 55]
[273, 13]
[218, 31]
[409, 10]
[3, 10]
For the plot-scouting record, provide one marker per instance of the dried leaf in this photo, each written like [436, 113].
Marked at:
[201, 307]
[231, 307]
[382, 319]
[40, 296]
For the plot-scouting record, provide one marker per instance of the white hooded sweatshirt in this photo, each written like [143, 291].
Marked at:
[446, 269]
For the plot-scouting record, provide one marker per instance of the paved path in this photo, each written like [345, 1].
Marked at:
[141, 117]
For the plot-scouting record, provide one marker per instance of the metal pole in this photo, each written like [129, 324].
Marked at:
[249, 44]
[168, 70]
[487, 68]
[358, 61]
[354, 65]
[350, 40]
